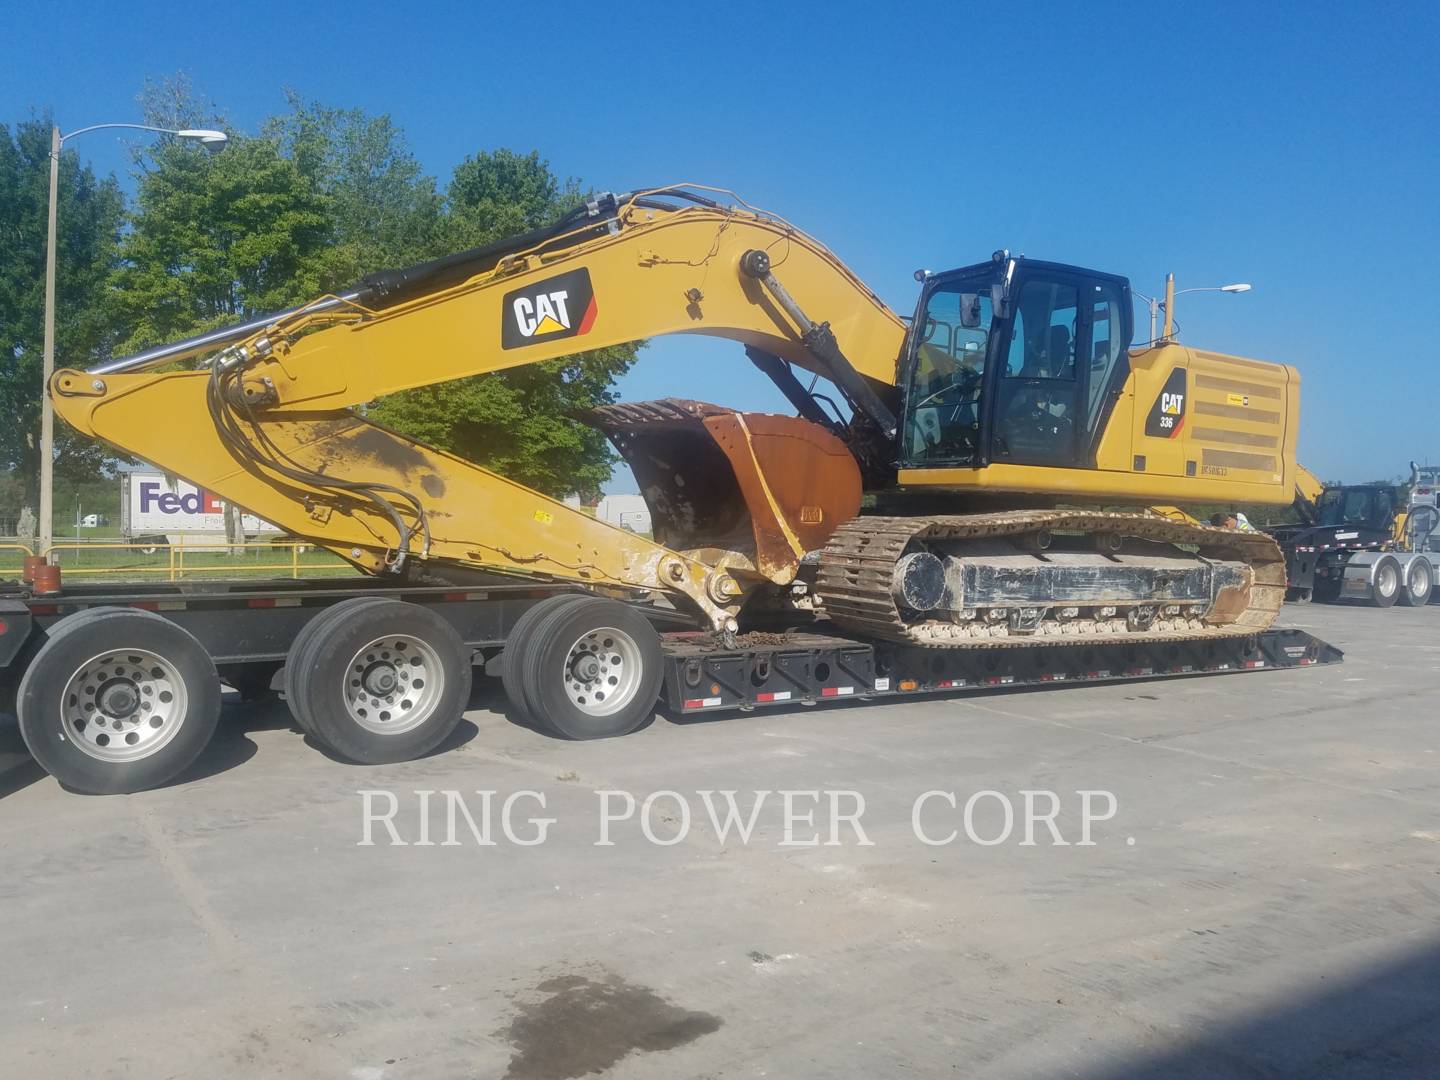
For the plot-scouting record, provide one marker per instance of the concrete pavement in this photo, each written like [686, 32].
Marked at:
[1264, 901]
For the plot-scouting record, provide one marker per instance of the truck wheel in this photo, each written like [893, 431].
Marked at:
[1388, 583]
[383, 681]
[118, 700]
[592, 669]
[298, 664]
[517, 643]
[1419, 583]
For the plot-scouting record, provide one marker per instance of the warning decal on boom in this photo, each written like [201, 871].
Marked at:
[1167, 415]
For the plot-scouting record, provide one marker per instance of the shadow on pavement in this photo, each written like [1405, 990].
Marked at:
[18, 770]
[1381, 1022]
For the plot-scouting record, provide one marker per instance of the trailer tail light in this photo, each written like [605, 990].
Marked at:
[4, 627]
[909, 684]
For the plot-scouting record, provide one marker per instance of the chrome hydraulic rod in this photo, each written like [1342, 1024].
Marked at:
[214, 339]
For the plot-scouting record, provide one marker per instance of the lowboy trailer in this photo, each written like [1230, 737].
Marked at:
[117, 688]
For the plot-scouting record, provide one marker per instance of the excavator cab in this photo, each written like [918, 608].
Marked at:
[1013, 361]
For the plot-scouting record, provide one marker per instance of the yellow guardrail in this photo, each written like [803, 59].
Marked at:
[175, 561]
[24, 549]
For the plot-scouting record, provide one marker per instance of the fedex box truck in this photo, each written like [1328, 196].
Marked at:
[155, 509]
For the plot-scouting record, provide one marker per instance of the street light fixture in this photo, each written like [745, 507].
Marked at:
[212, 141]
[1167, 305]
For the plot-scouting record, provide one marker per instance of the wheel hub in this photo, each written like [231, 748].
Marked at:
[123, 705]
[393, 684]
[603, 671]
[118, 698]
[381, 679]
[586, 667]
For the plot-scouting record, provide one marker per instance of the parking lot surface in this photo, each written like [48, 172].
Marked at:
[1264, 899]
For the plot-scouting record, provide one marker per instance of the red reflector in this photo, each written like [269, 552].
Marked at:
[146, 605]
[1254, 664]
[4, 627]
[262, 602]
[456, 596]
[44, 609]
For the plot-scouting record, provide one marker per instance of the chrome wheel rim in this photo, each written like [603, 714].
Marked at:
[123, 705]
[1419, 580]
[1387, 581]
[602, 671]
[393, 684]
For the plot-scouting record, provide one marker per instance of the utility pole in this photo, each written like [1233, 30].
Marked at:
[47, 363]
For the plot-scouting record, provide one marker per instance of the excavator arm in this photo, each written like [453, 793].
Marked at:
[274, 421]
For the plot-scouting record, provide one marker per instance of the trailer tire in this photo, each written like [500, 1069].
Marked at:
[1387, 583]
[128, 725]
[382, 681]
[592, 669]
[1419, 583]
[517, 644]
[298, 663]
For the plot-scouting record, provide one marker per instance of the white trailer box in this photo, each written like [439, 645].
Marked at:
[154, 505]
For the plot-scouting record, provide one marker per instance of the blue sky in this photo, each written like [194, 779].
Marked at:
[1293, 146]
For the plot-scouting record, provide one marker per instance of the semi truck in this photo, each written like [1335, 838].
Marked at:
[1373, 543]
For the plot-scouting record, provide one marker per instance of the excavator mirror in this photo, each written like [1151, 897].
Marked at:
[970, 310]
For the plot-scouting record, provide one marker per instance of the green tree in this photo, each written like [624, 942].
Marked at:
[381, 209]
[217, 239]
[88, 230]
[517, 422]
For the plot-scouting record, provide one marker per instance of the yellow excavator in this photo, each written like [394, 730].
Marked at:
[952, 482]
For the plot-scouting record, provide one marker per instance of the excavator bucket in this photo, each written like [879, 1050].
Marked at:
[751, 491]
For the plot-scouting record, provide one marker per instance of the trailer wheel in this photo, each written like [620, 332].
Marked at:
[298, 664]
[517, 643]
[118, 700]
[1388, 583]
[1419, 583]
[592, 669]
[382, 681]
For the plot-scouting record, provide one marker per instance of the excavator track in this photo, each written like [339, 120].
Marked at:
[855, 579]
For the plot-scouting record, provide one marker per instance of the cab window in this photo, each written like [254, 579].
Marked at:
[1106, 346]
[942, 420]
[1038, 398]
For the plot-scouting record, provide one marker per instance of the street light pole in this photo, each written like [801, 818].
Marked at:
[47, 363]
[211, 140]
[1168, 304]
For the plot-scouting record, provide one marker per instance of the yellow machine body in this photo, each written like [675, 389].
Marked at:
[294, 390]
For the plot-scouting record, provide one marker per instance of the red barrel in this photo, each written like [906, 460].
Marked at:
[47, 580]
[27, 569]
